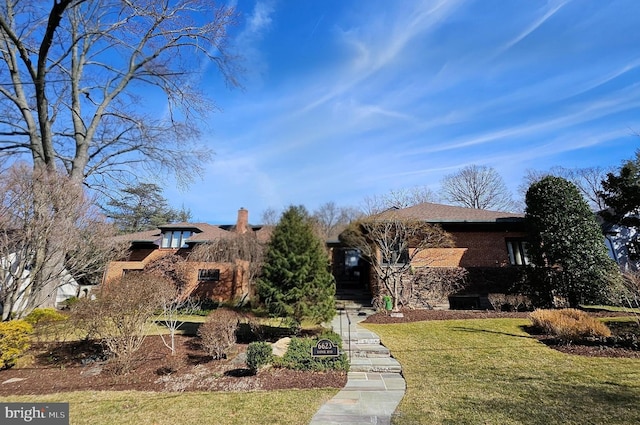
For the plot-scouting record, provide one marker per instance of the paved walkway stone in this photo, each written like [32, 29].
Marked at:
[373, 391]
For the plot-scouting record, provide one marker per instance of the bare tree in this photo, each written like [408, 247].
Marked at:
[172, 304]
[389, 243]
[477, 186]
[270, 217]
[329, 219]
[588, 180]
[78, 77]
[245, 246]
[50, 235]
[397, 199]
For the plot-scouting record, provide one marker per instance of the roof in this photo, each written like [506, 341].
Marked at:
[439, 213]
[204, 232]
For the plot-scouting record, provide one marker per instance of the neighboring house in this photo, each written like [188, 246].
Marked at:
[490, 245]
[52, 295]
[215, 281]
[623, 245]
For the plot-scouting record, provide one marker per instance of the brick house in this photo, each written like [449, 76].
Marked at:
[206, 280]
[489, 245]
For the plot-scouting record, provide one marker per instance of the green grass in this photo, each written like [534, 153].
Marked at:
[293, 407]
[611, 308]
[489, 371]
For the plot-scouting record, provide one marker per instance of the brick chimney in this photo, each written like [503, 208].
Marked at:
[242, 225]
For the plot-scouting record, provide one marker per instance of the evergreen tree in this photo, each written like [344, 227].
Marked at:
[567, 247]
[296, 282]
[621, 192]
[142, 207]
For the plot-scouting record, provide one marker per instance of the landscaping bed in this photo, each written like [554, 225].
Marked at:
[81, 366]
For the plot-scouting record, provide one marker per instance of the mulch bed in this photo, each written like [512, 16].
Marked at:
[79, 367]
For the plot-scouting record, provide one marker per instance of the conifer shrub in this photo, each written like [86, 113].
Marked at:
[47, 324]
[298, 355]
[218, 333]
[14, 341]
[259, 355]
[569, 325]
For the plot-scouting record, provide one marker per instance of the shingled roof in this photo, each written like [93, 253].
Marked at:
[439, 213]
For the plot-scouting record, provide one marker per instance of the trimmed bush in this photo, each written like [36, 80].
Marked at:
[218, 332]
[14, 341]
[298, 355]
[259, 354]
[569, 325]
[47, 324]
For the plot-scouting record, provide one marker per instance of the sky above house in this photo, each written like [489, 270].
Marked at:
[347, 99]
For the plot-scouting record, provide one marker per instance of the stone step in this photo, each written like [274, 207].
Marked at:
[367, 350]
[380, 365]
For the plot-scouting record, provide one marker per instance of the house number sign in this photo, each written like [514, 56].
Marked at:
[324, 348]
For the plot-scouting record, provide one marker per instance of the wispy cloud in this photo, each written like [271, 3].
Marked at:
[553, 8]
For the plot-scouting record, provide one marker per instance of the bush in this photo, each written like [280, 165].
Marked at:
[569, 325]
[509, 302]
[298, 355]
[14, 341]
[119, 314]
[259, 354]
[44, 315]
[46, 323]
[218, 332]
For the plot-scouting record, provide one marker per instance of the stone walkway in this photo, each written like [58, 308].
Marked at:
[375, 384]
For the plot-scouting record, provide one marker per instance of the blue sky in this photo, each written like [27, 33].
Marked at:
[352, 98]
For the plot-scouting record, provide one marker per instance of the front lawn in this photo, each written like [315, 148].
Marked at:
[490, 371]
[292, 407]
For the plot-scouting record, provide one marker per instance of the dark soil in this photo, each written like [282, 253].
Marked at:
[80, 366]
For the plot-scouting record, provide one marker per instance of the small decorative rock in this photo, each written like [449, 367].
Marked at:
[12, 380]
[280, 346]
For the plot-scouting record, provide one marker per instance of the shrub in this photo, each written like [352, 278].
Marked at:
[569, 325]
[46, 323]
[259, 354]
[298, 355]
[119, 314]
[44, 315]
[14, 341]
[218, 332]
[509, 302]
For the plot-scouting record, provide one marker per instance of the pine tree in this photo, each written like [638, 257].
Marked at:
[567, 247]
[296, 282]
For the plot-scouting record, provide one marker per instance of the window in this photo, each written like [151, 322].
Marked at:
[209, 275]
[175, 238]
[517, 252]
[397, 256]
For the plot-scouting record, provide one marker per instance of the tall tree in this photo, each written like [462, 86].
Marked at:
[477, 186]
[142, 207]
[296, 281]
[567, 246]
[390, 243]
[397, 198]
[45, 216]
[79, 80]
[621, 192]
[588, 180]
[329, 219]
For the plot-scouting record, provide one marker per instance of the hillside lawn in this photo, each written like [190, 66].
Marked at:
[490, 371]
